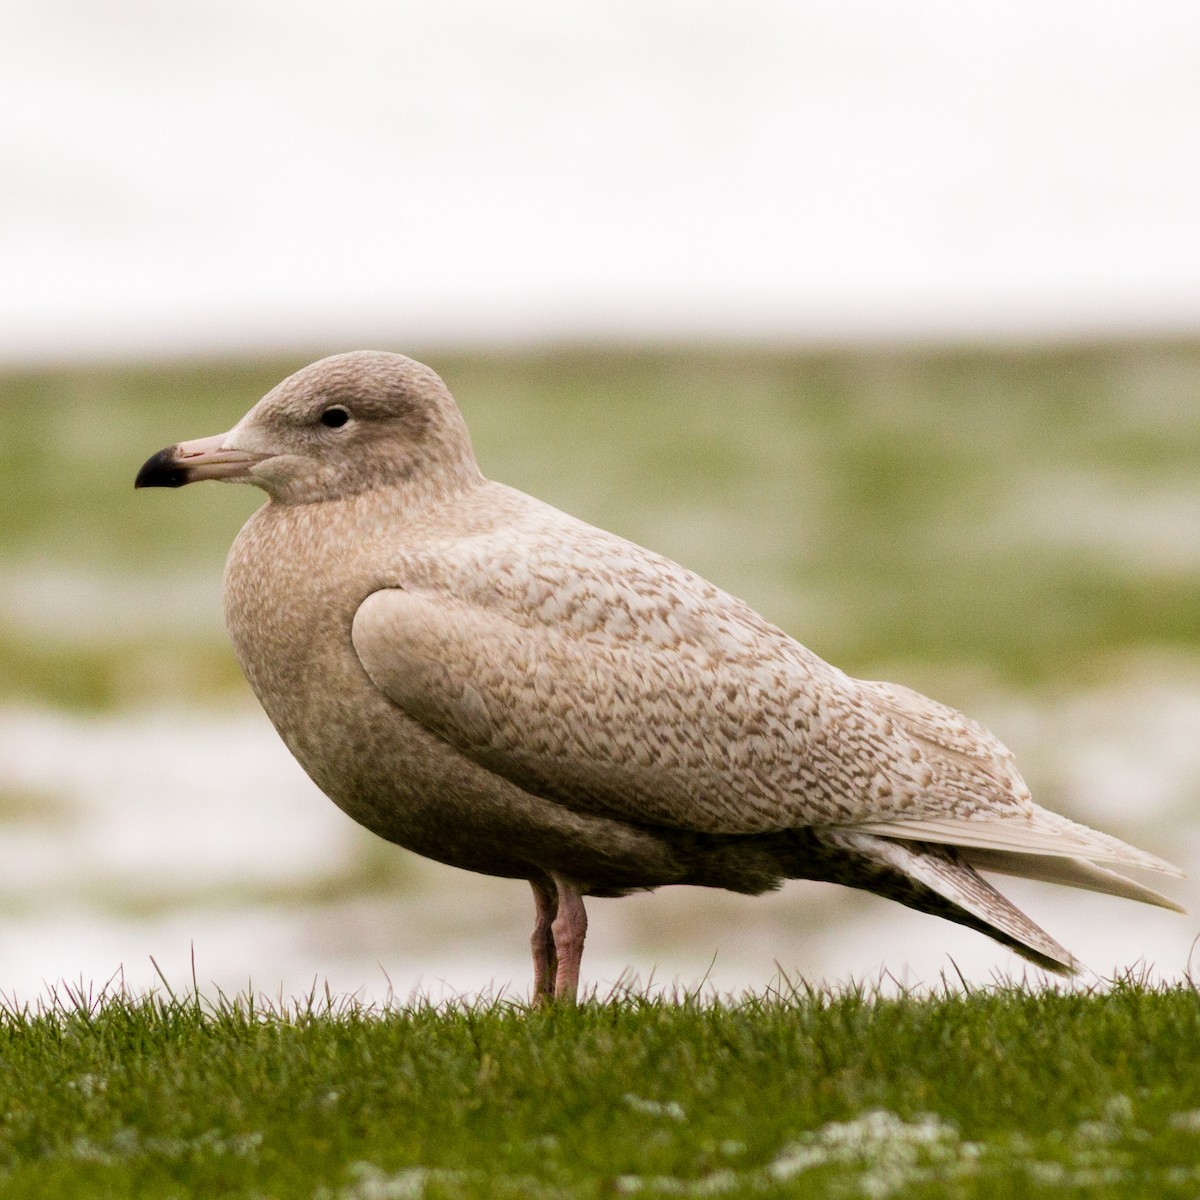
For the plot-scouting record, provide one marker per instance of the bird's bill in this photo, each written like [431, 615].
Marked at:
[189, 462]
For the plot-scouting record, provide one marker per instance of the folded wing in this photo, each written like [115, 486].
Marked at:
[714, 725]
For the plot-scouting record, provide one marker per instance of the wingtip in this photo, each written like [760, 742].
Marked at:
[1039, 832]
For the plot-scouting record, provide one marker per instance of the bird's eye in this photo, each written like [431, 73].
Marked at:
[335, 417]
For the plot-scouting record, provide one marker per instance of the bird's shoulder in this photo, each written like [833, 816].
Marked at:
[522, 560]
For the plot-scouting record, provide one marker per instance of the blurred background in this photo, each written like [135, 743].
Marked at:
[885, 319]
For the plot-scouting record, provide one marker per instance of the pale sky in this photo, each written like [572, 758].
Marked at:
[264, 174]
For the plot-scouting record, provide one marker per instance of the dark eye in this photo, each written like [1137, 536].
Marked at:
[335, 417]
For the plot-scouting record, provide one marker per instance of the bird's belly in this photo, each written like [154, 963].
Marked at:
[390, 774]
[405, 784]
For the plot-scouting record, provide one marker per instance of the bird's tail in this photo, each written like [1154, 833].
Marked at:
[938, 879]
[1072, 872]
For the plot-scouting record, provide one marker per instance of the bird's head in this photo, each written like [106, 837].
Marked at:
[345, 425]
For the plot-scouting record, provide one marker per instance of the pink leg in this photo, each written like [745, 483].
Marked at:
[545, 961]
[569, 929]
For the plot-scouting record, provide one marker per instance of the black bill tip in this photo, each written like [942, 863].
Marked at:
[162, 470]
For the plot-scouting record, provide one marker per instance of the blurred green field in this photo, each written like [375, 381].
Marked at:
[1006, 515]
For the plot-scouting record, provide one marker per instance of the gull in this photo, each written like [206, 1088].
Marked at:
[491, 683]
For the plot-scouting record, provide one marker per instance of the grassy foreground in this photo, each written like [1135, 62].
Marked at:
[1003, 1092]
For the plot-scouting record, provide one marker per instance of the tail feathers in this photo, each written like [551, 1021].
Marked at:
[935, 879]
[1072, 872]
[1036, 832]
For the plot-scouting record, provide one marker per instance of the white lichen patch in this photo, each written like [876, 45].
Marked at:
[128, 1143]
[671, 1109]
[879, 1154]
[88, 1085]
[369, 1182]
[889, 1152]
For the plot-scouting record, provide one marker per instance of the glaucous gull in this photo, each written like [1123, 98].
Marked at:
[489, 682]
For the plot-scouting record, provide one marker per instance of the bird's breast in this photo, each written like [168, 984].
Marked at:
[286, 611]
[290, 597]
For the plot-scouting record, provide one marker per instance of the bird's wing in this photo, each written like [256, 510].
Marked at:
[616, 682]
[614, 726]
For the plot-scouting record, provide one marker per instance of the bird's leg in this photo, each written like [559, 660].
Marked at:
[569, 929]
[545, 960]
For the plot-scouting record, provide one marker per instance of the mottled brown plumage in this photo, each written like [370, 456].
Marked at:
[493, 684]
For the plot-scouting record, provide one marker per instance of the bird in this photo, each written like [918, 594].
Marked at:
[491, 683]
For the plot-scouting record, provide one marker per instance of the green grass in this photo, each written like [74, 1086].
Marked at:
[1021, 514]
[1001, 1092]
